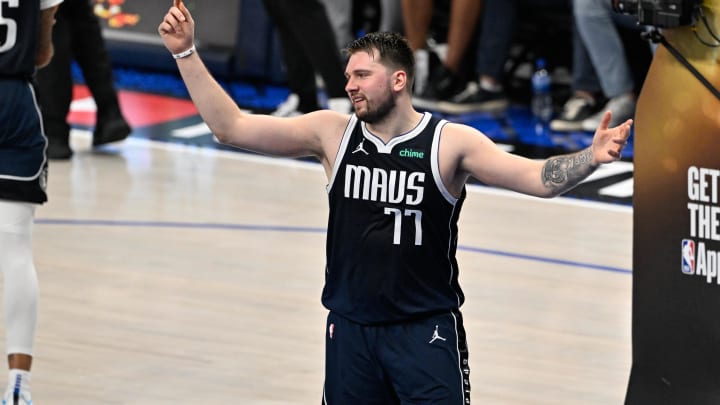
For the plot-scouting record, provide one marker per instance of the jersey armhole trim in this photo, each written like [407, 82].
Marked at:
[435, 163]
[341, 150]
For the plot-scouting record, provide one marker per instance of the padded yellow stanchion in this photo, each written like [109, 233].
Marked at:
[676, 274]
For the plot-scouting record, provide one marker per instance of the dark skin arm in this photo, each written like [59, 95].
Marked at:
[45, 47]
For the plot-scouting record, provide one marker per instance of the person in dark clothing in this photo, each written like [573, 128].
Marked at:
[309, 47]
[77, 36]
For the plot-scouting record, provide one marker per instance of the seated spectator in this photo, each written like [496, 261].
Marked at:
[587, 98]
[496, 35]
[439, 78]
[601, 71]
[340, 13]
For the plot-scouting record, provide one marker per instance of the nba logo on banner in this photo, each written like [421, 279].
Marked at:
[688, 256]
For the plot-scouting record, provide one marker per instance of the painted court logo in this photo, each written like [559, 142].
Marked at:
[688, 256]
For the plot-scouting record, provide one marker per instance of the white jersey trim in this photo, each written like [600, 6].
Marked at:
[46, 4]
[463, 386]
[453, 269]
[387, 148]
[341, 150]
[435, 163]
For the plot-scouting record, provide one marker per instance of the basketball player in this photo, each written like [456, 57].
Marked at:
[396, 183]
[25, 45]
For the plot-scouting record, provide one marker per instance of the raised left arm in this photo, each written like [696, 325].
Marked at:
[466, 152]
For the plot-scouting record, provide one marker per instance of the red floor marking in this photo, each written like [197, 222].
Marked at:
[140, 109]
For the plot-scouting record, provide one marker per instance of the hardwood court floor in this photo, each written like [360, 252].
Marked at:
[174, 275]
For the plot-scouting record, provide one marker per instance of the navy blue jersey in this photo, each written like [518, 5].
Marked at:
[23, 164]
[19, 22]
[392, 230]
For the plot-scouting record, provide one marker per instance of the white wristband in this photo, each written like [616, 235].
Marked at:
[184, 54]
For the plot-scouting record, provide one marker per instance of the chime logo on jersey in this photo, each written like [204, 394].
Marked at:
[390, 186]
[411, 153]
[688, 256]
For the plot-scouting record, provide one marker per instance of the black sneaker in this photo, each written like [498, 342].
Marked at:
[474, 99]
[112, 129]
[574, 112]
[442, 85]
[58, 136]
[59, 149]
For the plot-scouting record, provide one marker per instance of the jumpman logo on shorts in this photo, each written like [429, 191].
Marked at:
[361, 148]
[436, 336]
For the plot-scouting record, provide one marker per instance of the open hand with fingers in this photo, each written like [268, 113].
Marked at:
[177, 29]
[608, 143]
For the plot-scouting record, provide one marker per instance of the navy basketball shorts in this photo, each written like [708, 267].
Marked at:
[420, 362]
[23, 165]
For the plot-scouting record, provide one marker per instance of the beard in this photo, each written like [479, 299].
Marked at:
[377, 112]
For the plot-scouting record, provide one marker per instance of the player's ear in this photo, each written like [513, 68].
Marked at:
[399, 80]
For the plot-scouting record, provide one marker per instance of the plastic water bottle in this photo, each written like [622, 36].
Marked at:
[541, 104]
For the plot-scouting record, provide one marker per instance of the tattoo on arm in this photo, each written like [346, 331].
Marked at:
[561, 173]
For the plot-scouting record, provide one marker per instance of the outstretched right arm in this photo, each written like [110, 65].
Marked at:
[299, 136]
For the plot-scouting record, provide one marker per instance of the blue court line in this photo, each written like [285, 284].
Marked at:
[546, 260]
[300, 229]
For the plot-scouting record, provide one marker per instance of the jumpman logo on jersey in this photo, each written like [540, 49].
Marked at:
[436, 336]
[361, 148]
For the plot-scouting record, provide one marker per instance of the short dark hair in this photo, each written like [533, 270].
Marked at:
[391, 47]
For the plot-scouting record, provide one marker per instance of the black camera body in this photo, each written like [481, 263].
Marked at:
[659, 13]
